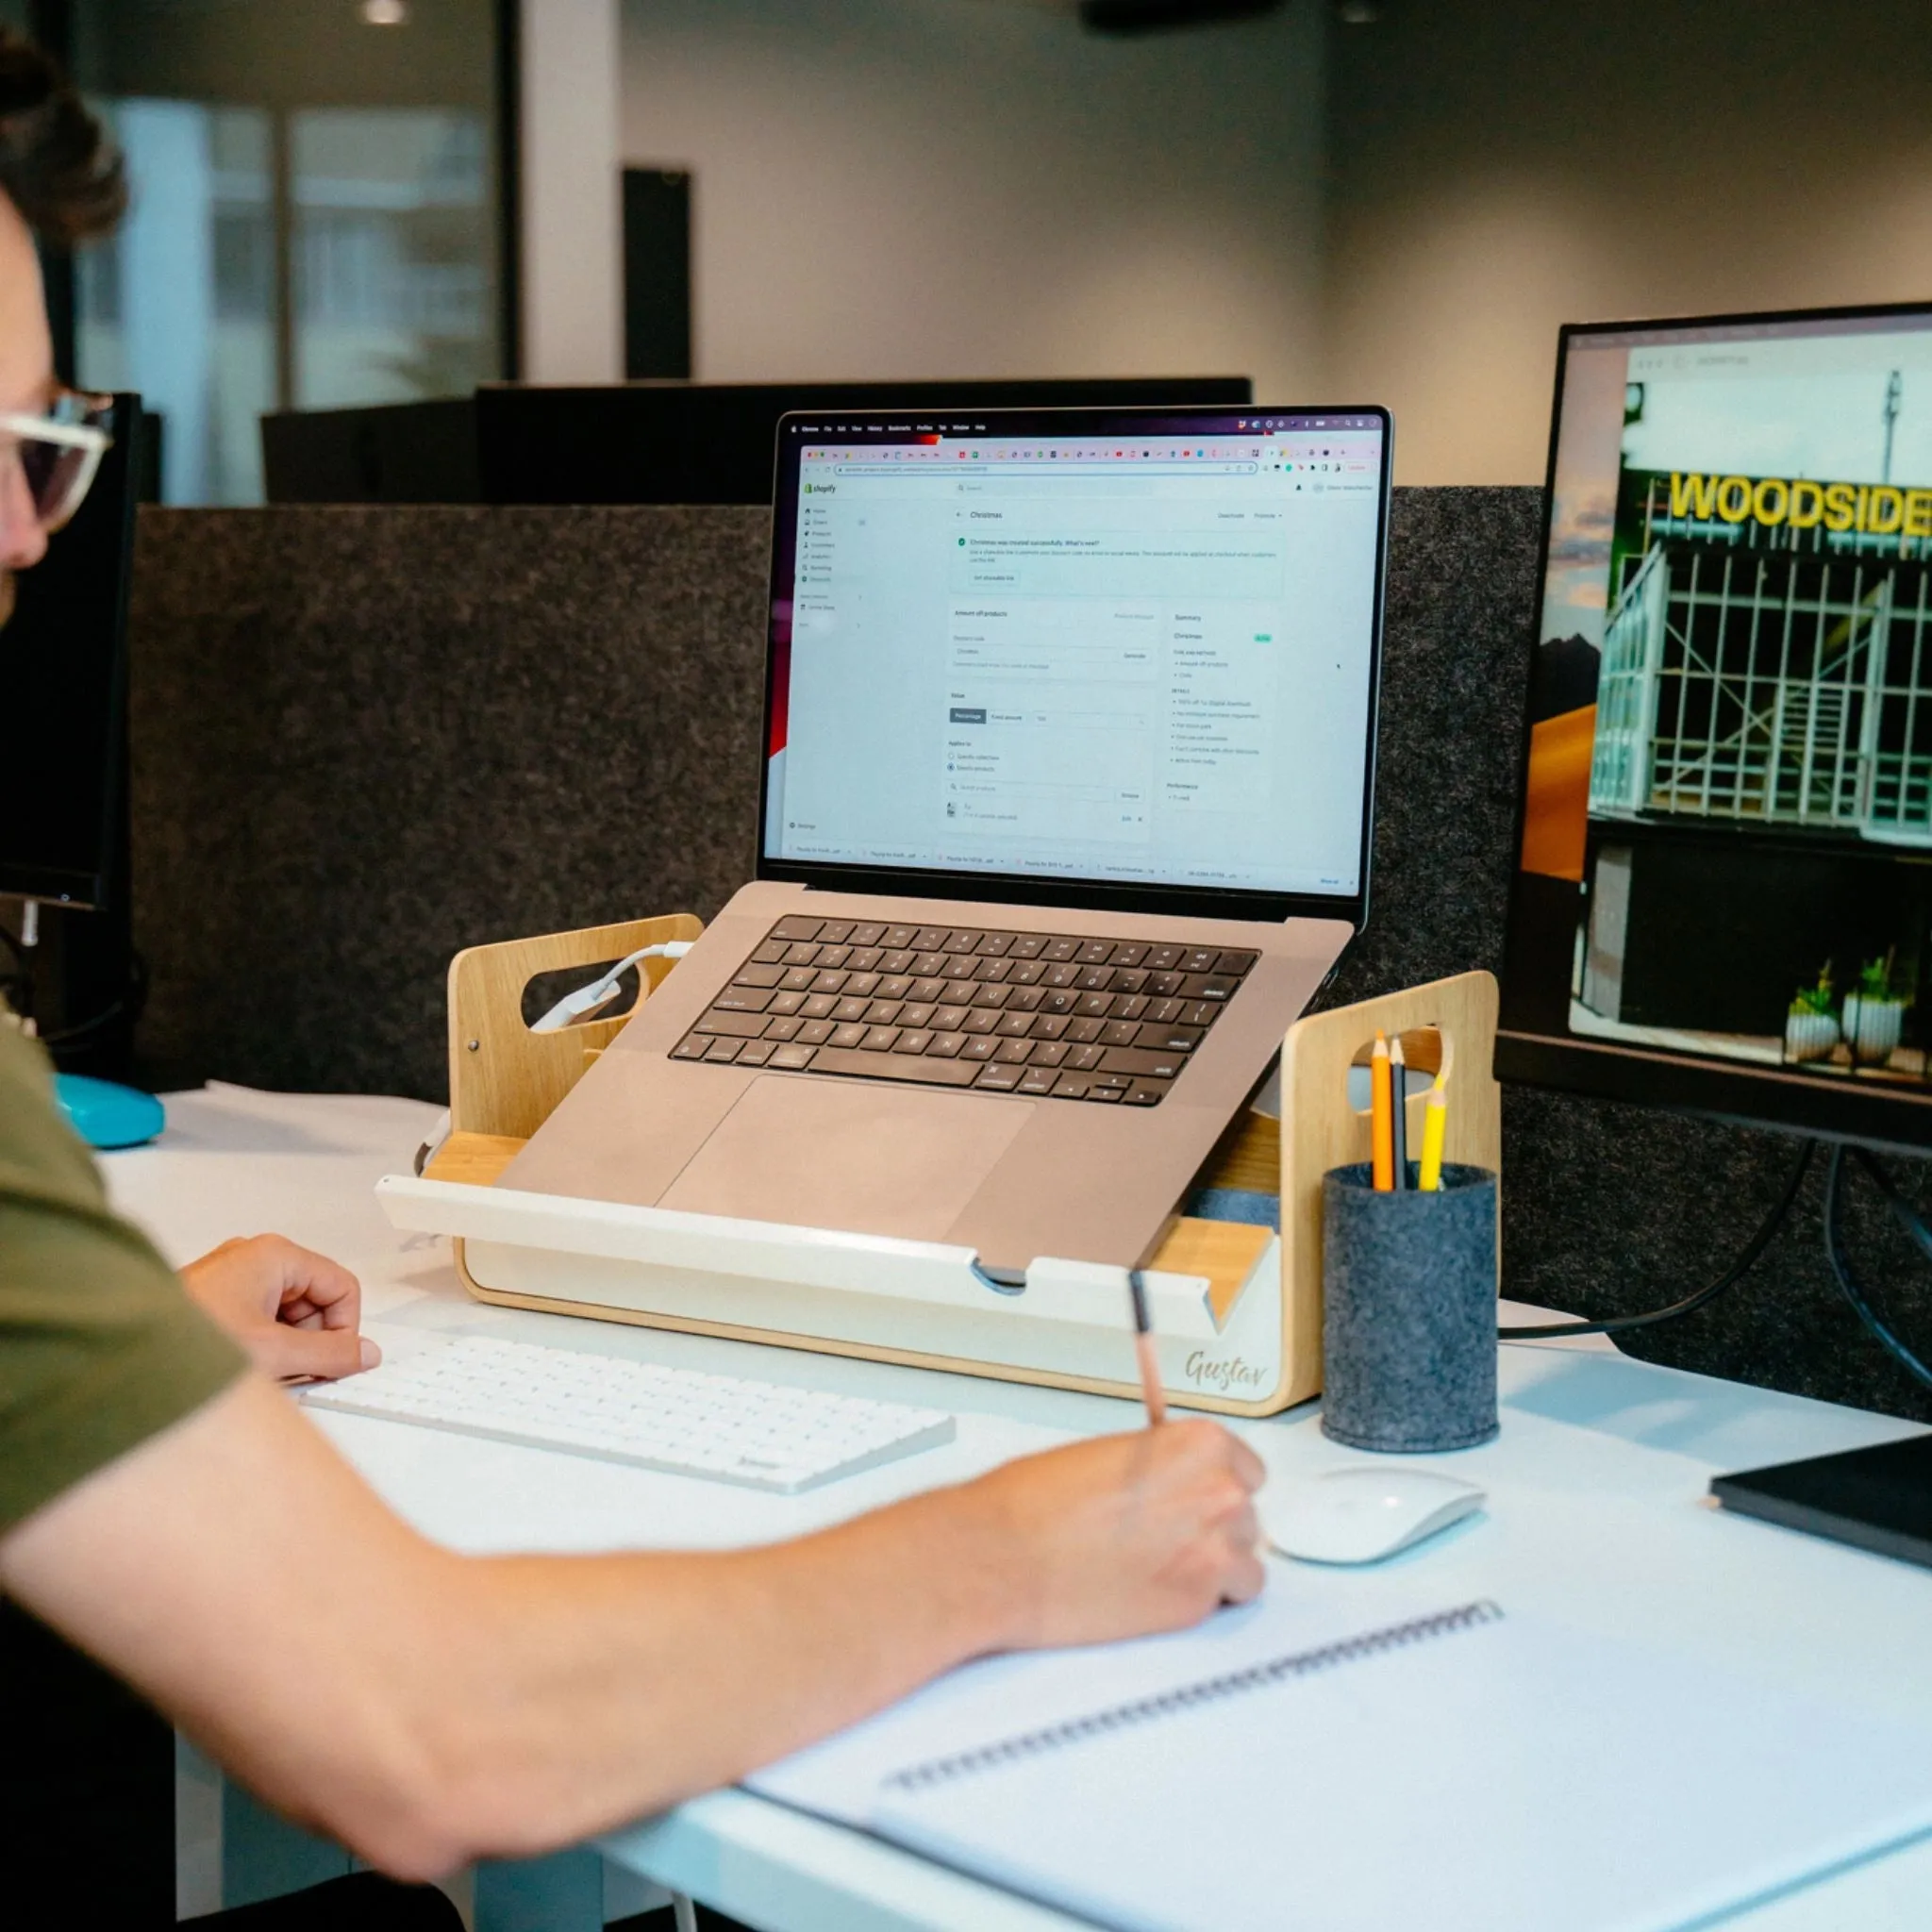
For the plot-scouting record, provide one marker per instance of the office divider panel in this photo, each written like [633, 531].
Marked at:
[366, 737]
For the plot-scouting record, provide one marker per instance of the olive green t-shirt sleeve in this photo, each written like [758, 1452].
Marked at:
[100, 1347]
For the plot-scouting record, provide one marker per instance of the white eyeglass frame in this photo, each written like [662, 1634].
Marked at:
[81, 436]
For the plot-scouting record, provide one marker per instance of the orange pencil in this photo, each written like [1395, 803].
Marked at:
[1382, 1115]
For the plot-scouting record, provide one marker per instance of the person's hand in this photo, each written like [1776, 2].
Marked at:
[294, 1311]
[1130, 1534]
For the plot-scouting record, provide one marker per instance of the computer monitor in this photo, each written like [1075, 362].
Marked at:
[63, 697]
[1723, 899]
[383, 453]
[668, 443]
[711, 442]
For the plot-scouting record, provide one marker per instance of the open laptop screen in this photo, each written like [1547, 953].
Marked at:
[1094, 657]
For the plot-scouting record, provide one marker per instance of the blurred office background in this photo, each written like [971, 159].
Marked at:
[317, 214]
[342, 202]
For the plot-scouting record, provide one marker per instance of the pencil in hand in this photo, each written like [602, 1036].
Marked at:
[1151, 1392]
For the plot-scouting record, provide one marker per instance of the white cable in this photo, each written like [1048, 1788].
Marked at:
[574, 1006]
[432, 1143]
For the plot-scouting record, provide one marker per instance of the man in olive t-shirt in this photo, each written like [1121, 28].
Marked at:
[87, 1376]
[84, 1376]
[167, 1507]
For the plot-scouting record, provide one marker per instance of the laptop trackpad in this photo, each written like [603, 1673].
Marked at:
[839, 1154]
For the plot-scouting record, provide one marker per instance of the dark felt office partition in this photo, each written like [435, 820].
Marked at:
[367, 737]
[364, 737]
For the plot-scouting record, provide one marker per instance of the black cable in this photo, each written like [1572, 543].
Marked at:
[81, 1028]
[22, 977]
[20, 980]
[1901, 1210]
[1618, 1324]
[130, 1006]
[1840, 1267]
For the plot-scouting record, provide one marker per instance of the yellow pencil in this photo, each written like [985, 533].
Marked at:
[1435, 1124]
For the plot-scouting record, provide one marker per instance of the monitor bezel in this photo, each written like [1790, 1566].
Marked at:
[1742, 1094]
[107, 518]
[1165, 900]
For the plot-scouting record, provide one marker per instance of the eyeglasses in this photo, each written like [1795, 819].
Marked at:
[58, 453]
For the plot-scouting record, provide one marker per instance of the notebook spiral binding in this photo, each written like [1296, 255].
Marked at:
[1142, 1710]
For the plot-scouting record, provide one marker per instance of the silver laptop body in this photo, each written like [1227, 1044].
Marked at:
[1066, 810]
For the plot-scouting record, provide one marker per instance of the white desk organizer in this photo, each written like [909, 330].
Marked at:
[854, 1292]
[1236, 1308]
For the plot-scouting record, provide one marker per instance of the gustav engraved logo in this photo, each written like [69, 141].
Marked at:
[1225, 1374]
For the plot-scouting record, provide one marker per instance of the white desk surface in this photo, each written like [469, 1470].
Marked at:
[1597, 1509]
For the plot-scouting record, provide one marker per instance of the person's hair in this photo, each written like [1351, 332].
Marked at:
[56, 166]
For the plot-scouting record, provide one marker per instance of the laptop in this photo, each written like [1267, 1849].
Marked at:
[1066, 799]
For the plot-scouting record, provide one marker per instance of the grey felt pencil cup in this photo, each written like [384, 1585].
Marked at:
[1408, 1321]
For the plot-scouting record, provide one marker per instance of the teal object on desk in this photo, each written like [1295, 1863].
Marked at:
[106, 1114]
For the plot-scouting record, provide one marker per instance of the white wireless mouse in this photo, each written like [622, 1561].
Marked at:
[1361, 1515]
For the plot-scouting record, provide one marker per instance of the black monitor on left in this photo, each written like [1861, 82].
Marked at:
[63, 715]
[63, 772]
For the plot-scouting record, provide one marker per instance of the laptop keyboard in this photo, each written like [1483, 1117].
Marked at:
[1057, 1016]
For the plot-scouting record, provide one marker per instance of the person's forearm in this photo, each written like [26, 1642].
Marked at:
[606, 1688]
[426, 1707]
[429, 1708]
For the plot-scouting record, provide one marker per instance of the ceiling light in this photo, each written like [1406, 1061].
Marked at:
[385, 13]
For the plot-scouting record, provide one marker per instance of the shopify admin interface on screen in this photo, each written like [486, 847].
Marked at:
[1128, 660]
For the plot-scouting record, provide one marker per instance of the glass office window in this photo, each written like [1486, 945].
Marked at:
[316, 216]
[180, 305]
[394, 297]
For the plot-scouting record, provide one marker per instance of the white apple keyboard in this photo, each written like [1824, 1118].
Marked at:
[721, 1428]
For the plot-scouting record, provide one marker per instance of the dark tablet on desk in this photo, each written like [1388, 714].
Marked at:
[1878, 1498]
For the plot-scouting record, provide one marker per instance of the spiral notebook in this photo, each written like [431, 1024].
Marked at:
[1460, 1768]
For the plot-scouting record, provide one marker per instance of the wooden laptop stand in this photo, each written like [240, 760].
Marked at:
[1237, 1308]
